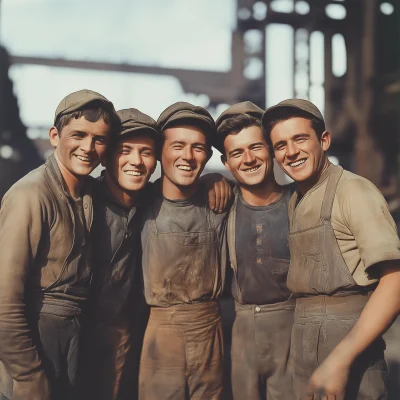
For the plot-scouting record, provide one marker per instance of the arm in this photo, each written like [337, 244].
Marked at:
[219, 191]
[20, 232]
[379, 313]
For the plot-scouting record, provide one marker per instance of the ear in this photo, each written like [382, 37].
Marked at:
[54, 136]
[325, 140]
[225, 162]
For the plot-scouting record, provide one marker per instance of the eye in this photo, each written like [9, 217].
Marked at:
[177, 147]
[147, 153]
[279, 147]
[301, 139]
[101, 140]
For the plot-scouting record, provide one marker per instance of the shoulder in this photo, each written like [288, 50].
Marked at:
[353, 186]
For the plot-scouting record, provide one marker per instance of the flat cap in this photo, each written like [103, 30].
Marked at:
[187, 113]
[134, 121]
[296, 104]
[76, 100]
[245, 107]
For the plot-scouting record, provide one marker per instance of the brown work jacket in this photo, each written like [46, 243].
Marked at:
[36, 238]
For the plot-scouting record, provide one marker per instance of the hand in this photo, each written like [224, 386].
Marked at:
[219, 192]
[329, 381]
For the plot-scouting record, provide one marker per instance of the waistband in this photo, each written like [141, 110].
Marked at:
[62, 308]
[261, 308]
[349, 306]
[188, 314]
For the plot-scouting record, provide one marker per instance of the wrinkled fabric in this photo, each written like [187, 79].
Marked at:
[260, 352]
[318, 269]
[321, 323]
[184, 251]
[182, 356]
[37, 275]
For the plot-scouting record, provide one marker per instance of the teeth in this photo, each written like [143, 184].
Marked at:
[184, 167]
[297, 163]
[133, 173]
[83, 158]
[252, 169]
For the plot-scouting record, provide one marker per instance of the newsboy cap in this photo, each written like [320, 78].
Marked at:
[187, 113]
[295, 104]
[76, 100]
[134, 121]
[245, 107]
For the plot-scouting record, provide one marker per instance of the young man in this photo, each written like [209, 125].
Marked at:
[184, 258]
[344, 263]
[45, 274]
[116, 313]
[259, 254]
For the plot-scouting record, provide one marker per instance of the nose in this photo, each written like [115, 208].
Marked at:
[87, 145]
[135, 158]
[187, 153]
[291, 149]
[248, 157]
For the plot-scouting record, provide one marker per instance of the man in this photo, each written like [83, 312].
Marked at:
[116, 313]
[259, 254]
[184, 256]
[344, 263]
[45, 220]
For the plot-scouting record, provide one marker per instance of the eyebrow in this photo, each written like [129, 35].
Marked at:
[294, 137]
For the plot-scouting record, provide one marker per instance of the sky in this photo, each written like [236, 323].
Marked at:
[189, 34]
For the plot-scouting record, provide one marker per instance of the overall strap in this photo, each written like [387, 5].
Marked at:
[292, 206]
[330, 192]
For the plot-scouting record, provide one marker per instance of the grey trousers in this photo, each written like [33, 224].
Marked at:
[260, 351]
[321, 322]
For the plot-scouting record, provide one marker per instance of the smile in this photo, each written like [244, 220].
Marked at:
[134, 173]
[185, 168]
[295, 164]
[252, 169]
[83, 158]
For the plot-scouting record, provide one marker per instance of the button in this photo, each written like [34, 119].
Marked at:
[258, 309]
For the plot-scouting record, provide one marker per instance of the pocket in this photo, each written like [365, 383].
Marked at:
[304, 345]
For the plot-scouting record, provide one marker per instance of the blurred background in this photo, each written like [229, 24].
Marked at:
[342, 55]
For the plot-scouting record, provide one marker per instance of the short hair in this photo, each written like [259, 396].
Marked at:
[284, 114]
[235, 124]
[92, 112]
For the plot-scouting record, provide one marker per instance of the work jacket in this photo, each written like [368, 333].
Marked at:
[37, 226]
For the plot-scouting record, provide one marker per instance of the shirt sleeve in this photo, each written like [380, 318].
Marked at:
[21, 225]
[367, 216]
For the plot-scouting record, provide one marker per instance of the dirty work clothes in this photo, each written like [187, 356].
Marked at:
[58, 349]
[113, 325]
[260, 243]
[184, 251]
[318, 269]
[182, 356]
[47, 272]
[362, 225]
[260, 351]
[259, 255]
[321, 323]
[184, 263]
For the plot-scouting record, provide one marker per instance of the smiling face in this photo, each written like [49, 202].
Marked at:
[298, 150]
[133, 162]
[183, 158]
[80, 145]
[248, 157]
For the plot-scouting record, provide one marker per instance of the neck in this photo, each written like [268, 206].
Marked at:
[74, 183]
[305, 186]
[172, 191]
[125, 198]
[262, 195]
